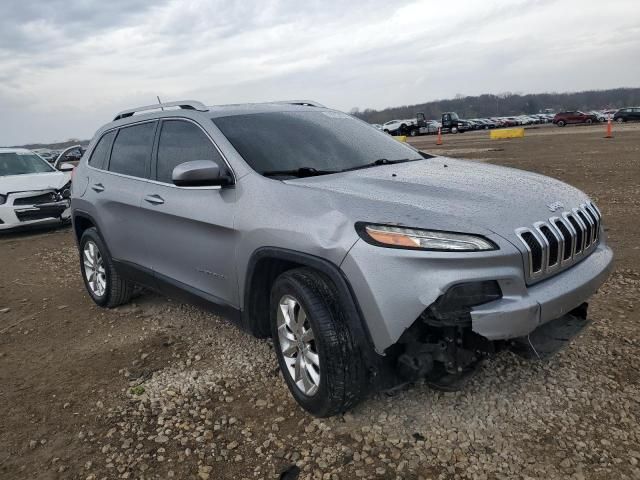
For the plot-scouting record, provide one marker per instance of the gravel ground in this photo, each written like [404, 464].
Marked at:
[156, 389]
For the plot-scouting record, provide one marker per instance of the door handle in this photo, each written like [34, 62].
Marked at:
[154, 199]
[98, 187]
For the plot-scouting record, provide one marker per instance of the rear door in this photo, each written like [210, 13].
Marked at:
[190, 229]
[118, 172]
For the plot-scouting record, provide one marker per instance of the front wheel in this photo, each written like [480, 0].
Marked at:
[561, 123]
[318, 356]
[620, 120]
[413, 133]
[589, 121]
[103, 283]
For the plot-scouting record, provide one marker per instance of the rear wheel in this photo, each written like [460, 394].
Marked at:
[588, 121]
[561, 123]
[318, 356]
[620, 120]
[413, 133]
[105, 286]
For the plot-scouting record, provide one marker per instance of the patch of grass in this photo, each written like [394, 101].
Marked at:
[137, 390]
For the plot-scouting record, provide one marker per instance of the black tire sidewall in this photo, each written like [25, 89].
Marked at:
[91, 234]
[322, 403]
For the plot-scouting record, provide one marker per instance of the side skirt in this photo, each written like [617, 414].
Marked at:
[179, 291]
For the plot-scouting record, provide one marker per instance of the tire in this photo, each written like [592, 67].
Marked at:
[337, 381]
[413, 133]
[620, 120]
[111, 290]
[386, 131]
[588, 121]
[561, 123]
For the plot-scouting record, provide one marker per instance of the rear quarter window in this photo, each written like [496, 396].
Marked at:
[131, 150]
[100, 154]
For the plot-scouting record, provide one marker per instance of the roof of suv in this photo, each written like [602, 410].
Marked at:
[220, 110]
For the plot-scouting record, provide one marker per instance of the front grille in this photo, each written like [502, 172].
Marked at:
[35, 200]
[560, 241]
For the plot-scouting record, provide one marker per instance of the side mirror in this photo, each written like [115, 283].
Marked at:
[66, 167]
[200, 173]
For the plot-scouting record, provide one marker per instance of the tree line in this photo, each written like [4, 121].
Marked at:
[508, 104]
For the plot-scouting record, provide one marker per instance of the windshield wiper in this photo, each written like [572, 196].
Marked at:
[300, 172]
[380, 161]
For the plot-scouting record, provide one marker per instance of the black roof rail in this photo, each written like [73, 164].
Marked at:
[183, 104]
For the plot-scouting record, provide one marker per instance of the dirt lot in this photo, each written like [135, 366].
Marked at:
[157, 389]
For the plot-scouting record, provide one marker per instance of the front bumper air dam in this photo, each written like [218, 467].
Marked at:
[518, 315]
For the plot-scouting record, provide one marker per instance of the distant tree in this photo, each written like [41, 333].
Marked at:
[508, 103]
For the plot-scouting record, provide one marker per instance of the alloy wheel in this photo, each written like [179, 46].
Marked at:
[298, 345]
[94, 271]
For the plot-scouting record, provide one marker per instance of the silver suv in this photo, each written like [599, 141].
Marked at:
[368, 262]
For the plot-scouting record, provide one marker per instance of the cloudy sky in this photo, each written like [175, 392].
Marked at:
[67, 66]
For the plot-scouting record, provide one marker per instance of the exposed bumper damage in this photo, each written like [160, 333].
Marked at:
[23, 209]
[472, 308]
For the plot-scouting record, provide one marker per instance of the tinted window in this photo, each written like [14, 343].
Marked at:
[101, 152]
[323, 140]
[181, 142]
[132, 149]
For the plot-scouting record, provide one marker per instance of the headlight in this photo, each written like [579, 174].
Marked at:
[400, 237]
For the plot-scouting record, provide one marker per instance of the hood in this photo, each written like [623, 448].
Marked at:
[448, 194]
[32, 182]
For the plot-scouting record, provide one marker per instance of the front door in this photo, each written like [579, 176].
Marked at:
[190, 230]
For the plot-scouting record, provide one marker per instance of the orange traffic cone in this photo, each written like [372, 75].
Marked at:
[439, 141]
[609, 128]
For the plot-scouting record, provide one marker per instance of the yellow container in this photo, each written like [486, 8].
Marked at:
[401, 138]
[507, 133]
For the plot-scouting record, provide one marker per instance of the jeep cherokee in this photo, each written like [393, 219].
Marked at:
[367, 262]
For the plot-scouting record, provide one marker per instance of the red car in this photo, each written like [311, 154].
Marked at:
[563, 118]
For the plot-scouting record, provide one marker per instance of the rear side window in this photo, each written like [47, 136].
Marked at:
[101, 152]
[132, 149]
[181, 142]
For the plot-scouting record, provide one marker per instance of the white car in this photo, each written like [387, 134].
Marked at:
[32, 192]
[396, 126]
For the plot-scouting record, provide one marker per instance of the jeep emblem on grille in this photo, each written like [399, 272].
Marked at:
[555, 206]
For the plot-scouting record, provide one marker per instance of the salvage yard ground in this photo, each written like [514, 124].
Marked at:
[157, 389]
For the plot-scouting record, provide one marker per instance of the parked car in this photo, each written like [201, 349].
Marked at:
[629, 114]
[368, 262]
[396, 127]
[574, 116]
[32, 192]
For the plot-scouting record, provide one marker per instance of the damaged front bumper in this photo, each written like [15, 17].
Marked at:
[394, 287]
[32, 208]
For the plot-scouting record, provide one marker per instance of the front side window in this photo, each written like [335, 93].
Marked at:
[132, 149]
[318, 140]
[101, 152]
[19, 163]
[180, 142]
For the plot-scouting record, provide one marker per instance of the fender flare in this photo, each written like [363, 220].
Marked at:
[346, 298]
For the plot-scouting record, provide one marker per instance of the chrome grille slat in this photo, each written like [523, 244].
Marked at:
[560, 241]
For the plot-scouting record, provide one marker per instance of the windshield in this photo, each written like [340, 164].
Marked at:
[325, 141]
[18, 163]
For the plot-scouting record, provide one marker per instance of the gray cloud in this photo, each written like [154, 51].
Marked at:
[67, 66]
